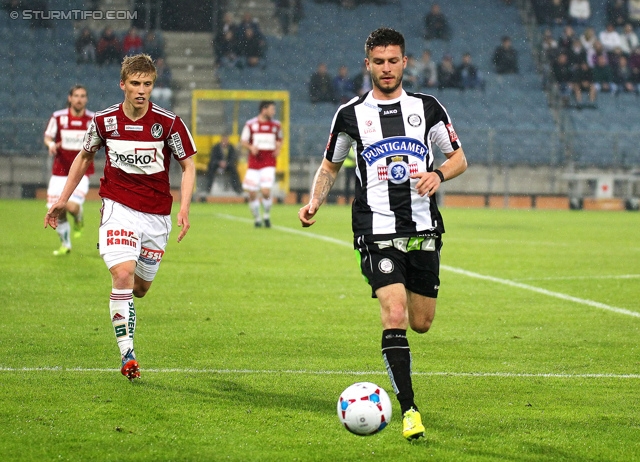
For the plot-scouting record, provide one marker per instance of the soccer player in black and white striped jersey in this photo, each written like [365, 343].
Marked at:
[396, 223]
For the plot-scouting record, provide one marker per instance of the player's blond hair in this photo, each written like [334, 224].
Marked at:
[138, 64]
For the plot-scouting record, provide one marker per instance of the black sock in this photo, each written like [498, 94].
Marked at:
[397, 358]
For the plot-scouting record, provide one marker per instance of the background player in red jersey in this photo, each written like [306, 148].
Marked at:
[63, 138]
[139, 140]
[262, 137]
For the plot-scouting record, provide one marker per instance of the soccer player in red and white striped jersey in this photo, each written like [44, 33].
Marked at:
[63, 137]
[140, 139]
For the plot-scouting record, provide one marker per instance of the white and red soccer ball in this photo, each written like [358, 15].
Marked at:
[364, 408]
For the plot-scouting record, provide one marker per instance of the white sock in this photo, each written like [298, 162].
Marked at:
[79, 217]
[254, 206]
[123, 318]
[266, 205]
[64, 231]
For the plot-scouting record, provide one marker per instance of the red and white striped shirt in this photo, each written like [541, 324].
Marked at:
[67, 131]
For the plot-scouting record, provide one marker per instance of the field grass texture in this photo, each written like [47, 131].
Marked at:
[248, 336]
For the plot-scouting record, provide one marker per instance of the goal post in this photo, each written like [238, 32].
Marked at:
[215, 112]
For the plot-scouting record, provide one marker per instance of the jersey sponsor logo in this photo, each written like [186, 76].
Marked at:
[140, 158]
[452, 133]
[385, 266]
[91, 145]
[329, 142]
[372, 106]
[77, 123]
[71, 139]
[389, 112]
[393, 146]
[122, 237]
[134, 128]
[156, 130]
[414, 120]
[110, 123]
[397, 172]
[175, 143]
[115, 133]
[150, 256]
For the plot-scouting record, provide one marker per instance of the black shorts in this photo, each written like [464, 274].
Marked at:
[416, 265]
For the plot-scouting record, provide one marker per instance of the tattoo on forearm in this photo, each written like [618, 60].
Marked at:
[322, 185]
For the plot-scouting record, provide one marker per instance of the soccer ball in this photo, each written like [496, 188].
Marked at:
[364, 408]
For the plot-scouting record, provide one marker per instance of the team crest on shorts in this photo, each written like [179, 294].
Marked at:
[385, 266]
[156, 130]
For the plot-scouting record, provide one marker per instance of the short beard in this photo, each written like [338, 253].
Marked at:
[389, 90]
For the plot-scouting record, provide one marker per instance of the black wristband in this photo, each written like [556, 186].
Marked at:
[439, 173]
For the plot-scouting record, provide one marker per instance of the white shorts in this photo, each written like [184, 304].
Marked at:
[129, 235]
[56, 185]
[263, 178]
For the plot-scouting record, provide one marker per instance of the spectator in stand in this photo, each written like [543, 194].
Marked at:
[565, 41]
[362, 81]
[289, 13]
[576, 54]
[108, 50]
[634, 62]
[629, 39]
[436, 24]
[223, 159]
[579, 12]
[588, 38]
[153, 46]
[162, 93]
[583, 81]
[549, 46]
[610, 38]
[411, 75]
[595, 52]
[85, 47]
[634, 12]
[320, 87]
[226, 50]
[428, 70]
[229, 23]
[564, 76]
[343, 88]
[249, 22]
[468, 75]
[132, 43]
[251, 49]
[603, 76]
[624, 77]
[447, 75]
[505, 57]
[557, 14]
[617, 12]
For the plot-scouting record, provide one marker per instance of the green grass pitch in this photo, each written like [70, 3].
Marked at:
[248, 336]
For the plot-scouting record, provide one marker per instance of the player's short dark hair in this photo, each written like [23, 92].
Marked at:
[265, 104]
[383, 37]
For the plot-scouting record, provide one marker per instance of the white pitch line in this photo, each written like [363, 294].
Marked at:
[574, 278]
[471, 274]
[348, 373]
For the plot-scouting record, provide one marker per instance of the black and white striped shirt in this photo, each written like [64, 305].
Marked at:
[392, 140]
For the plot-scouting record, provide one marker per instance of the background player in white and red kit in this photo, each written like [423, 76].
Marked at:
[262, 136]
[63, 137]
[139, 140]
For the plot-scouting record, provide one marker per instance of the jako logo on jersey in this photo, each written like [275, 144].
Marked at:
[122, 237]
[389, 111]
[393, 146]
[150, 256]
